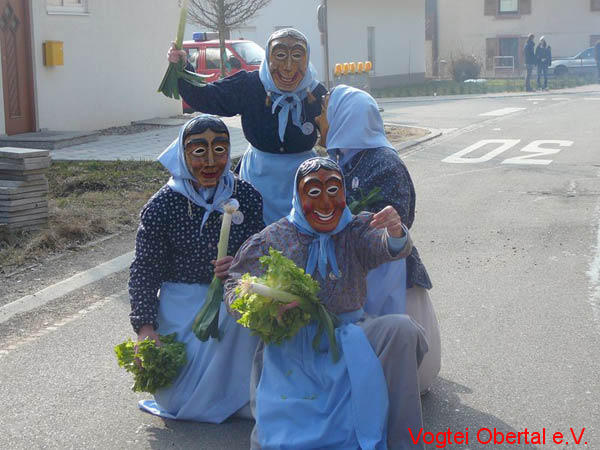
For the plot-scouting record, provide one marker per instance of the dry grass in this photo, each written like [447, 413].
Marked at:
[87, 200]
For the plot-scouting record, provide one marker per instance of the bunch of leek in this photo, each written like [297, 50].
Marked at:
[206, 323]
[278, 304]
[152, 367]
[177, 70]
[365, 201]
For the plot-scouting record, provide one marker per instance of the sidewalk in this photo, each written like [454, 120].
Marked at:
[146, 145]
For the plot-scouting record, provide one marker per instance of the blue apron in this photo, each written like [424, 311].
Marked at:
[305, 400]
[215, 382]
[386, 289]
[273, 175]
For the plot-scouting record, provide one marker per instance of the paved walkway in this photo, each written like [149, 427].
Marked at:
[146, 145]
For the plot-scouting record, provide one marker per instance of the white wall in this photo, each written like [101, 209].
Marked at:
[399, 34]
[114, 60]
[567, 26]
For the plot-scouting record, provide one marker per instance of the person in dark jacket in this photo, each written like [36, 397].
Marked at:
[530, 60]
[597, 55]
[543, 55]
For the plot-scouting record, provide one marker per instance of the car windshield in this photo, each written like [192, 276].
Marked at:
[250, 52]
[586, 54]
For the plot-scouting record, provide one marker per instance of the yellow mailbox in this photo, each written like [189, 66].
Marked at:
[53, 53]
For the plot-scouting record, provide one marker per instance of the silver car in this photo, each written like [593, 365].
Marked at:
[581, 63]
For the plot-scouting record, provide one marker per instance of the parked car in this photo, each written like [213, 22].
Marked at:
[581, 63]
[205, 55]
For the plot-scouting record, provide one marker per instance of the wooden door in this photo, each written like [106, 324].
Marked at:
[17, 74]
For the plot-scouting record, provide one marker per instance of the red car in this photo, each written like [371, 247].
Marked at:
[204, 54]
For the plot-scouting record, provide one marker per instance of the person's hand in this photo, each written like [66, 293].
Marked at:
[222, 267]
[388, 218]
[174, 55]
[148, 331]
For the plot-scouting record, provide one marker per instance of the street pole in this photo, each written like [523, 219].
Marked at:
[323, 28]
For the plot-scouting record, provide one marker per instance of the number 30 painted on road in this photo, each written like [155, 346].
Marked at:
[535, 149]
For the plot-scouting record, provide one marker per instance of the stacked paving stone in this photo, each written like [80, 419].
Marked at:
[23, 188]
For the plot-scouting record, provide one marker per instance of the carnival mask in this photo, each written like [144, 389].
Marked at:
[288, 62]
[323, 199]
[206, 155]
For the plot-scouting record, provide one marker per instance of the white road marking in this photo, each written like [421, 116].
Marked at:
[502, 112]
[64, 287]
[536, 149]
[594, 271]
[44, 331]
[502, 145]
[558, 99]
[591, 98]
[536, 99]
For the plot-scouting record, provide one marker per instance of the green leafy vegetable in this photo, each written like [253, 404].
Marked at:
[169, 86]
[206, 324]
[152, 367]
[277, 305]
[363, 203]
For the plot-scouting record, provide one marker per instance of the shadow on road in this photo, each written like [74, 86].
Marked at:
[442, 409]
[233, 434]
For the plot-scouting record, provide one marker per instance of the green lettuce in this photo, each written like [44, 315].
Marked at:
[283, 285]
[152, 367]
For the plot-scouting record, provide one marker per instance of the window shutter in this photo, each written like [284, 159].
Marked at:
[491, 50]
[524, 6]
[490, 7]
[595, 5]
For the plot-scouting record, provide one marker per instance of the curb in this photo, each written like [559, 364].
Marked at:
[433, 134]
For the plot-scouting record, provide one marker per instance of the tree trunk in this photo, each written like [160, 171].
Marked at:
[222, 32]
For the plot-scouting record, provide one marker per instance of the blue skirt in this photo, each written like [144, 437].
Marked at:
[305, 400]
[273, 176]
[215, 382]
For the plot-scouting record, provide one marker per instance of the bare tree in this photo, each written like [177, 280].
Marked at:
[223, 16]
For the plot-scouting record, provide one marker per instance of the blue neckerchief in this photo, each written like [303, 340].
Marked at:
[321, 250]
[173, 158]
[288, 101]
[355, 124]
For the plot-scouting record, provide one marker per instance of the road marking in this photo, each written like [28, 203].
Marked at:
[536, 149]
[64, 287]
[558, 99]
[502, 112]
[591, 98]
[594, 271]
[536, 99]
[119, 296]
[502, 145]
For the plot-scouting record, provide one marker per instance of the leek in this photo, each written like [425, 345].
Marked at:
[206, 323]
[177, 70]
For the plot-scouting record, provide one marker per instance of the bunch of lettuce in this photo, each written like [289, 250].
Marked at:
[278, 304]
[152, 367]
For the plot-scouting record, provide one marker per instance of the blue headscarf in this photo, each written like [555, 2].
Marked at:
[288, 101]
[355, 124]
[321, 250]
[173, 158]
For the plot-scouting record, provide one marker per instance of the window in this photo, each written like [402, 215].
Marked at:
[595, 5]
[250, 52]
[508, 6]
[213, 59]
[192, 54]
[509, 47]
[67, 6]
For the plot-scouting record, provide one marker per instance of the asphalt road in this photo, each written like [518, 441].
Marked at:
[507, 224]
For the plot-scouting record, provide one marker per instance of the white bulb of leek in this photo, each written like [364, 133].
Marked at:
[248, 287]
[229, 207]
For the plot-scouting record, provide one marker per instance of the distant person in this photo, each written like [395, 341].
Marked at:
[597, 55]
[530, 61]
[543, 55]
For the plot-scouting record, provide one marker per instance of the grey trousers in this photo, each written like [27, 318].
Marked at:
[400, 344]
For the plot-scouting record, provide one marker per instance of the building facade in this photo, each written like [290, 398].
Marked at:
[113, 62]
[495, 31]
[390, 33]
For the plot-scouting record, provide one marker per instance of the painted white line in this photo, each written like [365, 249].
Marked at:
[119, 296]
[64, 287]
[536, 99]
[502, 112]
[591, 98]
[558, 99]
[593, 272]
